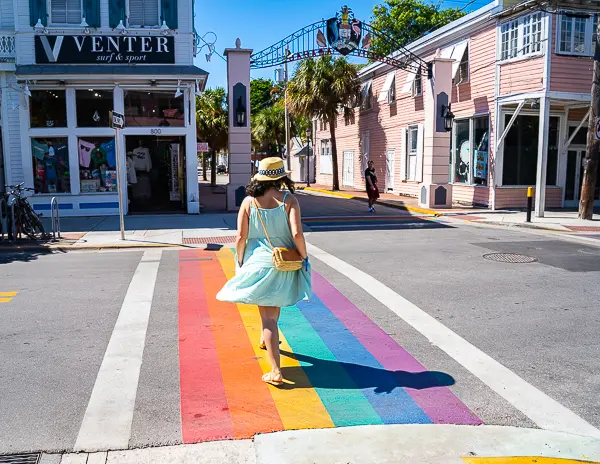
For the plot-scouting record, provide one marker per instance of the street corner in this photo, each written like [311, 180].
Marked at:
[7, 297]
[523, 460]
[427, 444]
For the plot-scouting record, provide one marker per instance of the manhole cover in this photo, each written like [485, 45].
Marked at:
[32, 458]
[509, 258]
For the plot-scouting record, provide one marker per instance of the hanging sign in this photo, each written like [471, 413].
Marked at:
[343, 32]
[175, 192]
[597, 129]
[106, 49]
[202, 147]
[118, 120]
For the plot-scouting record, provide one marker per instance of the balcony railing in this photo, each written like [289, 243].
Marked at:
[7, 47]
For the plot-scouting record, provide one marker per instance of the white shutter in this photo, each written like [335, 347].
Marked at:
[403, 152]
[419, 176]
[143, 13]
[457, 56]
[65, 11]
[387, 85]
[408, 85]
[366, 142]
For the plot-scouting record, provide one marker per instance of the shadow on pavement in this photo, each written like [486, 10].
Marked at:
[8, 256]
[321, 373]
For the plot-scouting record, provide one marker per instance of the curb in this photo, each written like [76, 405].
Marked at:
[383, 202]
[101, 246]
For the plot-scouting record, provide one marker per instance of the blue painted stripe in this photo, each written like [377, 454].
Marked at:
[345, 403]
[47, 207]
[380, 386]
[110, 205]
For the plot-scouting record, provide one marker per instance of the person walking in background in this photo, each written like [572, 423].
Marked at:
[372, 190]
[268, 218]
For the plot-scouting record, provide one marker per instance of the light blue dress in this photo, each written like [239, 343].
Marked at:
[258, 282]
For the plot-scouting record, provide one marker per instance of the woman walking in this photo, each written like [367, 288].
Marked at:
[372, 190]
[268, 218]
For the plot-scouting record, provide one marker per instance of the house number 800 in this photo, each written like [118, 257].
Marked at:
[155, 131]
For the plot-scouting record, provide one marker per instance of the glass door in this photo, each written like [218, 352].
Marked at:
[574, 179]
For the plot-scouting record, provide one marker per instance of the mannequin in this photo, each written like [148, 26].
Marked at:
[142, 164]
[131, 176]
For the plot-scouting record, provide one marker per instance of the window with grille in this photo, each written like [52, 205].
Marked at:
[143, 13]
[65, 11]
[510, 40]
[576, 33]
[392, 92]
[411, 153]
[532, 34]
[418, 85]
[522, 37]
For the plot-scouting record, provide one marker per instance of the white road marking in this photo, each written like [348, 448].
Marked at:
[403, 225]
[546, 412]
[107, 421]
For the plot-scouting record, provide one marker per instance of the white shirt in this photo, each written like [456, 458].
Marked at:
[131, 176]
[142, 160]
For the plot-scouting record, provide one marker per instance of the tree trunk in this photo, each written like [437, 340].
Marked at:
[204, 155]
[334, 158]
[213, 167]
[590, 162]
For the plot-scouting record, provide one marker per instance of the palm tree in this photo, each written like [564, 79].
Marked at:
[211, 123]
[268, 129]
[320, 88]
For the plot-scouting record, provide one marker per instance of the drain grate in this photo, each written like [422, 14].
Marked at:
[207, 240]
[509, 258]
[31, 458]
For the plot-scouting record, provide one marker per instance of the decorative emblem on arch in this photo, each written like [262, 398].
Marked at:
[342, 34]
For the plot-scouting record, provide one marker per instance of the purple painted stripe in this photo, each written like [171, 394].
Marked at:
[439, 403]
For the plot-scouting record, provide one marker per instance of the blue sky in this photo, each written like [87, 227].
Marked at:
[261, 23]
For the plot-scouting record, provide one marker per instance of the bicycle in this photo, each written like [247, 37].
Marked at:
[26, 220]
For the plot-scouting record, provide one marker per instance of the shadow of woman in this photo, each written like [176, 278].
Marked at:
[321, 373]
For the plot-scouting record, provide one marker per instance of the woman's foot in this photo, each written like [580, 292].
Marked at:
[274, 378]
[262, 345]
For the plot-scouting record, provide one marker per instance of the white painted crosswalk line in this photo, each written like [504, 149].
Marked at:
[546, 412]
[107, 421]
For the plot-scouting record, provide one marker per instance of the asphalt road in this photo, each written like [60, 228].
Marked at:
[540, 320]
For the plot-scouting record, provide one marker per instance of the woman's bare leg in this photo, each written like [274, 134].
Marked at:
[269, 316]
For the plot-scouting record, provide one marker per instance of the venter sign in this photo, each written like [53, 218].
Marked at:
[89, 49]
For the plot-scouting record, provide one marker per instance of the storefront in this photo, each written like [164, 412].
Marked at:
[69, 148]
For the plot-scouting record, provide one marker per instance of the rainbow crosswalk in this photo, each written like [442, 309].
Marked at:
[341, 368]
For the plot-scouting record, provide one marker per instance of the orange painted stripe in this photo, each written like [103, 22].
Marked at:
[251, 405]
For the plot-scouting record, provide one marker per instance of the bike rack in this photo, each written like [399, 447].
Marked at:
[55, 217]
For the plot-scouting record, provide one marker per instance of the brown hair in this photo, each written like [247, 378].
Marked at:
[257, 188]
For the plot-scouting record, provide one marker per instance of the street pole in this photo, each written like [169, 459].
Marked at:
[120, 182]
[308, 137]
[287, 116]
[590, 162]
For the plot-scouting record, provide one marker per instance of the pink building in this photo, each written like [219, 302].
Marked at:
[518, 80]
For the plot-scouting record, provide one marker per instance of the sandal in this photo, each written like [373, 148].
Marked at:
[273, 379]
[262, 345]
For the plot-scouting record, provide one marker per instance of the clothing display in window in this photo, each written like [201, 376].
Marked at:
[142, 160]
[85, 153]
[98, 158]
[111, 152]
[131, 175]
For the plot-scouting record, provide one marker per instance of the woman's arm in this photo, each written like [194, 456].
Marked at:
[296, 227]
[242, 230]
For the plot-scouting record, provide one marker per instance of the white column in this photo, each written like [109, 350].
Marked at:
[542, 164]
[435, 191]
[191, 157]
[238, 72]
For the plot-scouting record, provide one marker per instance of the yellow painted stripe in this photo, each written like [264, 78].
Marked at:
[298, 408]
[522, 460]
[5, 300]
[8, 293]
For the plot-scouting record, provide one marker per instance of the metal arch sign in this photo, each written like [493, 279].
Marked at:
[597, 129]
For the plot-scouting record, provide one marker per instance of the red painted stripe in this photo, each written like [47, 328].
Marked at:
[204, 408]
[250, 402]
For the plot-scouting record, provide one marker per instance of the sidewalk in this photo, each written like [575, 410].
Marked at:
[414, 444]
[556, 221]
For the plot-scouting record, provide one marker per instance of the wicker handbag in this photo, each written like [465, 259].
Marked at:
[284, 259]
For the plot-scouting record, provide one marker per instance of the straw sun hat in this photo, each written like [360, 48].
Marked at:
[271, 169]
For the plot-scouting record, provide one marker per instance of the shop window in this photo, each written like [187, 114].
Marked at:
[48, 108]
[469, 152]
[97, 164]
[153, 109]
[51, 172]
[93, 107]
[65, 12]
[521, 151]
[143, 13]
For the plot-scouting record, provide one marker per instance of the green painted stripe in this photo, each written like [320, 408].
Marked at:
[343, 399]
